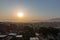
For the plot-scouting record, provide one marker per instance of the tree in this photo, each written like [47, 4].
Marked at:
[48, 31]
[28, 32]
[53, 31]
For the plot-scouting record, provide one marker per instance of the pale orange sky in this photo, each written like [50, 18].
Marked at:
[32, 9]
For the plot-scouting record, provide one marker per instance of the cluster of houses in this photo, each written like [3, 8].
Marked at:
[13, 36]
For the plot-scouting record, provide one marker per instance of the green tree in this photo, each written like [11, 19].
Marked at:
[28, 32]
[48, 31]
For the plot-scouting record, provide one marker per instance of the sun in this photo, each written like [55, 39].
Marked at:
[20, 14]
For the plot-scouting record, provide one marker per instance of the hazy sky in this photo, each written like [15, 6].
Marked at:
[32, 9]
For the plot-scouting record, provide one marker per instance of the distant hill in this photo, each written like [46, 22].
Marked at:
[54, 20]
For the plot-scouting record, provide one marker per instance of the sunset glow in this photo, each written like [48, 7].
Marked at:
[20, 14]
